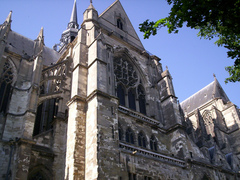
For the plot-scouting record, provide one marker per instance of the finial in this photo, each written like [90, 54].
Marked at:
[167, 67]
[91, 1]
[214, 75]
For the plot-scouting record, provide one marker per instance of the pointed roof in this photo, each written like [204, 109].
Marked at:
[73, 23]
[108, 21]
[208, 93]
[91, 6]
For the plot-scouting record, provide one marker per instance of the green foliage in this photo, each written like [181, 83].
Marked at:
[213, 18]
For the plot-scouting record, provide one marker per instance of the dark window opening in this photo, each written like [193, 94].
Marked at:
[46, 112]
[72, 38]
[142, 104]
[38, 120]
[153, 143]
[131, 99]
[121, 95]
[120, 133]
[141, 99]
[39, 175]
[205, 178]
[119, 24]
[129, 136]
[132, 176]
[141, 140]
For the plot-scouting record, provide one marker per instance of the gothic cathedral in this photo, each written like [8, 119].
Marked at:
[99, 106]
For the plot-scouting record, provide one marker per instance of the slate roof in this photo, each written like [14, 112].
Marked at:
[208, 93]
[25, 47]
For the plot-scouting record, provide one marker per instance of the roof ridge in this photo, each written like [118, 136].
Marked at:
[198, 92]
[108, 8]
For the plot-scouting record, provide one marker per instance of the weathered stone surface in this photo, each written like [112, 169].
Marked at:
[101, 107]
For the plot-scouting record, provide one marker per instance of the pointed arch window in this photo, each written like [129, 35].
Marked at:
[121, 94]
[6, 80]
[153, 143]
[130, 90]
[129, 136]
[131, 99]
[141, 99]
[142, 140]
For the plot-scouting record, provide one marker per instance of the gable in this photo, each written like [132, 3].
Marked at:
[108, 20]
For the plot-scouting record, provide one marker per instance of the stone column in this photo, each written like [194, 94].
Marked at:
[75, 155]
[23, 155]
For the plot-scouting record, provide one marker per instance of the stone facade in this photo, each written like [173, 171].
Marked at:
[99, 106]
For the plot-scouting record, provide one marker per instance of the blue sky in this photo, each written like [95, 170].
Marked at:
[190, 60]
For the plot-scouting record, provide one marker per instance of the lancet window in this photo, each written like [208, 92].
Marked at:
[121, 94]
[6, 81]
[131, 99]
[153, 143]
[142, 140]
[130, 90]
[129, 136]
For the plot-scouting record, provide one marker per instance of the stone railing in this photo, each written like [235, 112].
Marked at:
[161, 157]
[138, 116]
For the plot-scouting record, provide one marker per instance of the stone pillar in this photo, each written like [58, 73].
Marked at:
[23, 155]
[75, 155]
[75, 152]
[59, 147]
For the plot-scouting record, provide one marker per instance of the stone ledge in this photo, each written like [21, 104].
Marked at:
[139, 117]
[139, 151]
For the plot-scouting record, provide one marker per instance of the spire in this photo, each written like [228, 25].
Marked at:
[73, 20]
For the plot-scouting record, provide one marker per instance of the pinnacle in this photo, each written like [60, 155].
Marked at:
[9, 18]
[40, 35]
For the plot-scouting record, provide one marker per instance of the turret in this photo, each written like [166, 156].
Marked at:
[90, 13]
[169, 100]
